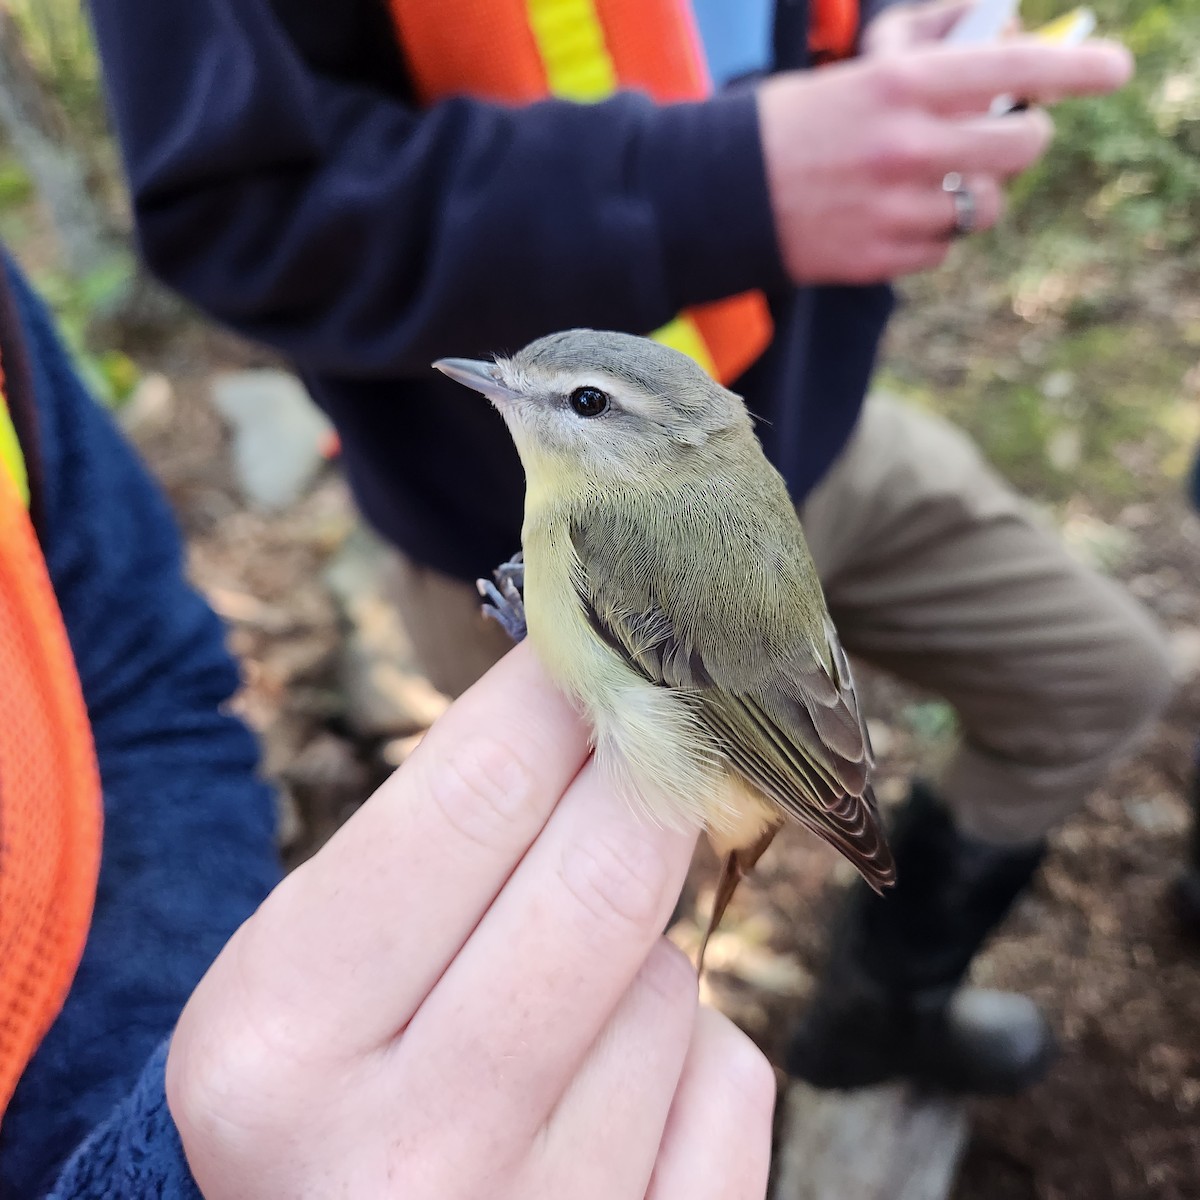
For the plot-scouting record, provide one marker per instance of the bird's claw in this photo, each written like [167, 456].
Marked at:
[503, 600]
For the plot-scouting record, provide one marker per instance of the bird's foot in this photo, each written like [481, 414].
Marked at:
[503, 600]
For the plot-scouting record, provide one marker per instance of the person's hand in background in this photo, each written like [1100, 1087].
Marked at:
[856, 153]
[466, 994]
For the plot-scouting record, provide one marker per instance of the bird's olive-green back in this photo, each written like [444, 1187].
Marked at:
[702, 581]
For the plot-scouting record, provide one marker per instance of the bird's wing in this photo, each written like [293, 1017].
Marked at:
[758, 652]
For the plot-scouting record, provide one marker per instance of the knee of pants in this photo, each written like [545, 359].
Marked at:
[1142, 675]
[1078, 708]
[1130, 685]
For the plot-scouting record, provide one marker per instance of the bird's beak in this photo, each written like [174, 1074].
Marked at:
[479, 376]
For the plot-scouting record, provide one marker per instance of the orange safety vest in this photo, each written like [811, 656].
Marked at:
[50, 800]
[833, 29]
[519, 51]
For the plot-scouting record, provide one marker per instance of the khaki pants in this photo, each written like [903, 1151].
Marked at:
[936, 571]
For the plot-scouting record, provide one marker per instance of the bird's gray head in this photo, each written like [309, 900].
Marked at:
[609, 403]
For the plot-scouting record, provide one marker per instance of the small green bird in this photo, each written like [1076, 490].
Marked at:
[669, 591]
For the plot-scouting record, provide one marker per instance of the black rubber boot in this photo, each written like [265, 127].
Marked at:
[889, 1006]
[1187, 886]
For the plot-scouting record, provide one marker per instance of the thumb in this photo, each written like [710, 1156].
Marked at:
[902, 26]
[933, 21]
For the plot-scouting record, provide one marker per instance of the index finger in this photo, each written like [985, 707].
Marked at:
[958, 79]
[347, 947]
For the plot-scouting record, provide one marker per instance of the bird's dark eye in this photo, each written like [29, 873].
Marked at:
[589, 401]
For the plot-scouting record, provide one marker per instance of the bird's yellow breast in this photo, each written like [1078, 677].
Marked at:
[647, 738]
[577, 660]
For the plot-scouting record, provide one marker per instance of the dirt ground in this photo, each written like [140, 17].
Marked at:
[1095, 942]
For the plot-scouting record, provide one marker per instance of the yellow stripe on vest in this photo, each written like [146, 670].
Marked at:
[584, 51]
[11, 457]
[571, 43]
[681, 334]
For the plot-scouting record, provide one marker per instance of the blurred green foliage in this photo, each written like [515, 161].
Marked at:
[1067, 339]
[58, 40]
[1133, 157]
[16, 188]
[930, 720]
[111, 374]
[77, 302]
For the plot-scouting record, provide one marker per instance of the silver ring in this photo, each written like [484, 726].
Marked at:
[964, 204]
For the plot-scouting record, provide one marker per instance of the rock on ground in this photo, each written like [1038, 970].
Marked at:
[278, 434]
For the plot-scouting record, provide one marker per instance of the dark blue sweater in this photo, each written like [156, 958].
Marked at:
[189, 830]
[284, 180]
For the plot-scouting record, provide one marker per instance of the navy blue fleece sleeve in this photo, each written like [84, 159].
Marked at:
[188, 848]
[134, 1153]
[364, 238]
